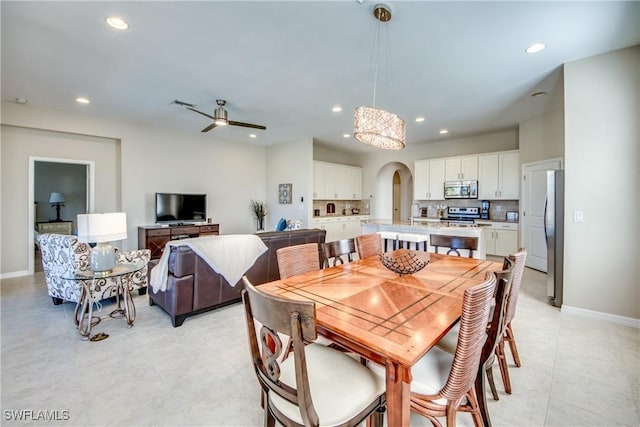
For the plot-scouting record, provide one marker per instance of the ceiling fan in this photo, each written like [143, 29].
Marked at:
[219, 116]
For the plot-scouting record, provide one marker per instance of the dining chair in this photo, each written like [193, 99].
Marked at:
[368, 245]
[443, 383]
[318, 385]
[298, 259]
[454, 243]
[333, 252]
[495, 331]
[518, 260]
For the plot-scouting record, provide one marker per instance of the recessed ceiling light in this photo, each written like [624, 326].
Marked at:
[541, 93]
[336, 109]
[419, 119]
[535, 48]
[252, 135]
[346, 135]
[443, 131]
[117, 23]
[20, 101]
[82, 100]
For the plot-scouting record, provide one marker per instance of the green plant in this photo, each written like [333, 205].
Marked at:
[259, 209]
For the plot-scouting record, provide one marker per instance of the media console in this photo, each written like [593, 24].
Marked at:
[155, 237]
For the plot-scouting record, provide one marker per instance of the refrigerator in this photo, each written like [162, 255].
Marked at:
[554, 233]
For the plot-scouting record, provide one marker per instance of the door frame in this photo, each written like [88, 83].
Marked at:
[90, 196]
[525, 190]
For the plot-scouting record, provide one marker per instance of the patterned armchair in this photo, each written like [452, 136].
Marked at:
[63, 254]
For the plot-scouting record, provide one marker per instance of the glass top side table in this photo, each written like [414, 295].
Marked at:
[122, 274]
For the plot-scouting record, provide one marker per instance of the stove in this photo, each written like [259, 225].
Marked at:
[462, 215]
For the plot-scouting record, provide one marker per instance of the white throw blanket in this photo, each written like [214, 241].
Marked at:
[229, 255]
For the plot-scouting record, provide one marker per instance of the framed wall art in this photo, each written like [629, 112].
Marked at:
[284, 194]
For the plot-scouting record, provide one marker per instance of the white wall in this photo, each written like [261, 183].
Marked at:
[290, 163]
[542, 137]
[150, 160]
[602, 158]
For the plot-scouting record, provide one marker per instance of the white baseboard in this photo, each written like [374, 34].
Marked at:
[607, 317]
[14, 274]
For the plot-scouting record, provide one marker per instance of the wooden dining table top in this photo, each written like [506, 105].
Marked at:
[380, 314]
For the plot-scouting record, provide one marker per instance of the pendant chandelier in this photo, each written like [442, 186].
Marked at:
[375, 126]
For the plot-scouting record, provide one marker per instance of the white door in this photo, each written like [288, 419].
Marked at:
[534, 191]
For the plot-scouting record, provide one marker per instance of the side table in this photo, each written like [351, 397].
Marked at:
[84, 319]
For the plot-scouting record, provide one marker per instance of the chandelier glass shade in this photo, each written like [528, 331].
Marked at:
[371, 125]
[379, 128]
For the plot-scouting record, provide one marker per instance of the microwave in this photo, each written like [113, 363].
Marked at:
[461, 190]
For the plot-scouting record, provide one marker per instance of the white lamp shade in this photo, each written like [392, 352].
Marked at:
[57, 198]
[102, 227]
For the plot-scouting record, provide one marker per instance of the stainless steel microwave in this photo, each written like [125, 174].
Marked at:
[461, 190]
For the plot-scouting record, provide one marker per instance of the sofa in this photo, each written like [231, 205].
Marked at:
[194, 287]
[64, 254]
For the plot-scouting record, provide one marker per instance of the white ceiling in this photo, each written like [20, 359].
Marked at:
[284, 65]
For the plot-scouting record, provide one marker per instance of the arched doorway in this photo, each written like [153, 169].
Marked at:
[393, 190]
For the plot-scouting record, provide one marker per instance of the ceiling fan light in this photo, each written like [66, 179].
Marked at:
[379, 128]
[220, 117]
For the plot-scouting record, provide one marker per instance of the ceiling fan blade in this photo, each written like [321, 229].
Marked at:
[247, 125]
[200, 112]
[182, 103]
[208, 128]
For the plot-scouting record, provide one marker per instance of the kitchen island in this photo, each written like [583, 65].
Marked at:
[427, 228]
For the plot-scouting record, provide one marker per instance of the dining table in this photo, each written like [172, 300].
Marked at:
[388, 318]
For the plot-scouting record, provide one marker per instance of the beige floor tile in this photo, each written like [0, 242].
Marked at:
[576, 371]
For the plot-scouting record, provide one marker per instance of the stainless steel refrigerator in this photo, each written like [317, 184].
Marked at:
[554, 233]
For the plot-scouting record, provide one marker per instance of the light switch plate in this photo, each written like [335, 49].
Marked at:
[578, 216]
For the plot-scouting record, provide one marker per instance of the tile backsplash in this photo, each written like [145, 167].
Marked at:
[497, 209]
[346, 205]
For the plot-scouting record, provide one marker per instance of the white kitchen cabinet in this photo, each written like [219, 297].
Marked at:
[499, 176]
[461, 168]
[336, 182]
[340, 227]
[428, 180]
[349, 183]
[501, 238]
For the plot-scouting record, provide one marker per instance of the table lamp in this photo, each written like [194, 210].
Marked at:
[57, 200]
[102, 228]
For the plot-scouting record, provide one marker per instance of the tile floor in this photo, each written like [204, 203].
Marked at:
[576, 371]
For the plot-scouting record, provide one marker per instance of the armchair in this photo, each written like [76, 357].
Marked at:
[63, 254]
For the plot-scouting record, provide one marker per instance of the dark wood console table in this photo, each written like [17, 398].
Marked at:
[155, 237]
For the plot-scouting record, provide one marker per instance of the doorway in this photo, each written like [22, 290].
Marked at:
[534, 190]
[393, 192]
[397, 196]
[73, 180]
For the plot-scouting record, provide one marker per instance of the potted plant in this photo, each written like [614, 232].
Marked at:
[260, 211]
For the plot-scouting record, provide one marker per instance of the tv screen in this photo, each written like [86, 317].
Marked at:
[173, 207]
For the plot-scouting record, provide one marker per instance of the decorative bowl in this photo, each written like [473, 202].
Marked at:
[404, 264]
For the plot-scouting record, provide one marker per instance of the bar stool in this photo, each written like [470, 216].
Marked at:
[389, 235]
[416, 239]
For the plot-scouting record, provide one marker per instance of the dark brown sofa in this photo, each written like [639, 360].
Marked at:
[193, 287]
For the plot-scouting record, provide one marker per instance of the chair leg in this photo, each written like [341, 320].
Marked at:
[57, 301]
[481, 395]
[504, 368]
[492, 384]
[473, 407]
[512, 346]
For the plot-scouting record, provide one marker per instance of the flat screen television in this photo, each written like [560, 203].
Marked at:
[177, 208]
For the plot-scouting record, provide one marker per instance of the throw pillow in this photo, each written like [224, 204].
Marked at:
[282, 225]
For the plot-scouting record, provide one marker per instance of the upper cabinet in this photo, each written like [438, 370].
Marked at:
[461, 168]
[428, 180]
[499, 176]
[332, 181]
